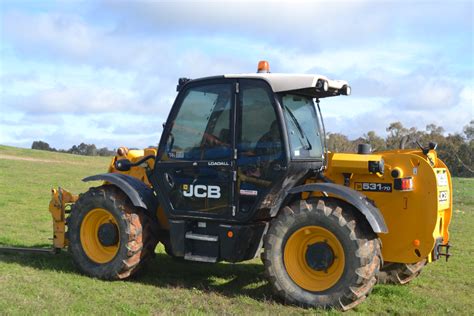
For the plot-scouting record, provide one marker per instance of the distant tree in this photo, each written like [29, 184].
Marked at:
[434, 134]
[40, 145]
[465, 157]
[469, 131]
[85, 149]
[339, 143]
[105, 152]
[82, 149]
[91, 150]
[396, 136]
[448, 151]
[401, 138]
[376, 142]
[73, 150]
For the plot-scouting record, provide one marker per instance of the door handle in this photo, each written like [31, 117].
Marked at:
[169, 180]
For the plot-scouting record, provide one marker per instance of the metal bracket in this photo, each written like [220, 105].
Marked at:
[443, 251]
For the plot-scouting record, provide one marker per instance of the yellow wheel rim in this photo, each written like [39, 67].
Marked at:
[90, 241]
[298, 265]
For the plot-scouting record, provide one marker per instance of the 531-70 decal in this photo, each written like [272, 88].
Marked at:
[373, 187]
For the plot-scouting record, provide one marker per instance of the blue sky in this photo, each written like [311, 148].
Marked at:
[105, 72]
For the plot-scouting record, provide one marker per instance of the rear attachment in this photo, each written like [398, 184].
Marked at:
[60, 204]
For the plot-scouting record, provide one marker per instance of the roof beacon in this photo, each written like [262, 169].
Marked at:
[263, 66]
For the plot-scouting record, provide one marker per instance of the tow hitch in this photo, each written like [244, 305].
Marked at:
[443, 251]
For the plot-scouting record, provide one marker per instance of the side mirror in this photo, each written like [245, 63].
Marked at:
[123, 165]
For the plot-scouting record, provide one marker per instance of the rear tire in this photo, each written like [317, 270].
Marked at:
[309, 230]
[400, 273]
[129, 243]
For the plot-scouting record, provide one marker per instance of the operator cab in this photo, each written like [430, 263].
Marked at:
[234, 144]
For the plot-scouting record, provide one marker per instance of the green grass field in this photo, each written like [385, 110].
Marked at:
[46, 284]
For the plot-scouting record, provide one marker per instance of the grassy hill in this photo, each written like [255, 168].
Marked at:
[45, 284]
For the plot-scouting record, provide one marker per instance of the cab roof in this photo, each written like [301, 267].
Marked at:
[311, 85]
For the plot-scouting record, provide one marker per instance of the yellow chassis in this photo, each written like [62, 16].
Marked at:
[417, 220]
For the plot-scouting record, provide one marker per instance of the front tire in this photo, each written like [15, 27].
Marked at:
[109, 238]
[322, 253]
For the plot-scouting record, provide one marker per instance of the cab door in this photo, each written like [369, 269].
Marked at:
[195, 162]
[261, 159]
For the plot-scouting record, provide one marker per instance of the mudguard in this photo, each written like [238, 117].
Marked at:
[358, 200]
[138, 192]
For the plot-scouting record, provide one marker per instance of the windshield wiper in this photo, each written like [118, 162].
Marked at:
[300, 130]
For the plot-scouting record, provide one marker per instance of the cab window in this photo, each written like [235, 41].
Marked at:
[259, 133]
[303, 128]
[201, 129]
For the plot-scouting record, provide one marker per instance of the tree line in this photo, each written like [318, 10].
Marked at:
[456, 150]
[81, 149]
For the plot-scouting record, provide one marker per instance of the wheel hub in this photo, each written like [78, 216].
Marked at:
[319, 256]
[314, 258]
[108, 234]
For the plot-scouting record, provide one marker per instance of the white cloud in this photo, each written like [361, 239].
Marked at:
[75, 100]
[63, 33]
[378, 116]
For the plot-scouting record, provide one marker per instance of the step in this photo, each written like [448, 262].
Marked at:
[191, 257]
[201, 237]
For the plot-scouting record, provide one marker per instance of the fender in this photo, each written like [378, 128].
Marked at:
[358, 200]
[138, 192]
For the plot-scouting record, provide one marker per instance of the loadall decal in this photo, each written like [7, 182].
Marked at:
[373, 187]
[202, 191]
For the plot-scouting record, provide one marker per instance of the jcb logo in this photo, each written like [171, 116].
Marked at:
[202, 191]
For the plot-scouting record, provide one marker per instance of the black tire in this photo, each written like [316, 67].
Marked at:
[137, 238]
[361, 249]
[399, 273]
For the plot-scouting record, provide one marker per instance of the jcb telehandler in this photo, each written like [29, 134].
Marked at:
[241, 171]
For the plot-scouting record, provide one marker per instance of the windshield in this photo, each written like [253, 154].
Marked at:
[303, 127]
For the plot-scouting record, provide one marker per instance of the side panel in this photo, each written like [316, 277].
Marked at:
[416, 218]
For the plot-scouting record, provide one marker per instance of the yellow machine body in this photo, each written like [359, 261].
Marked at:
[134, 155]
[417, 219]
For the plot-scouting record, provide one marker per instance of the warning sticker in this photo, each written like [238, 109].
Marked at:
[249, 192]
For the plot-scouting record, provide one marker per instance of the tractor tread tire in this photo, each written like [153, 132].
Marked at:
[137, 241]
[399, 273]
[353, 286]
